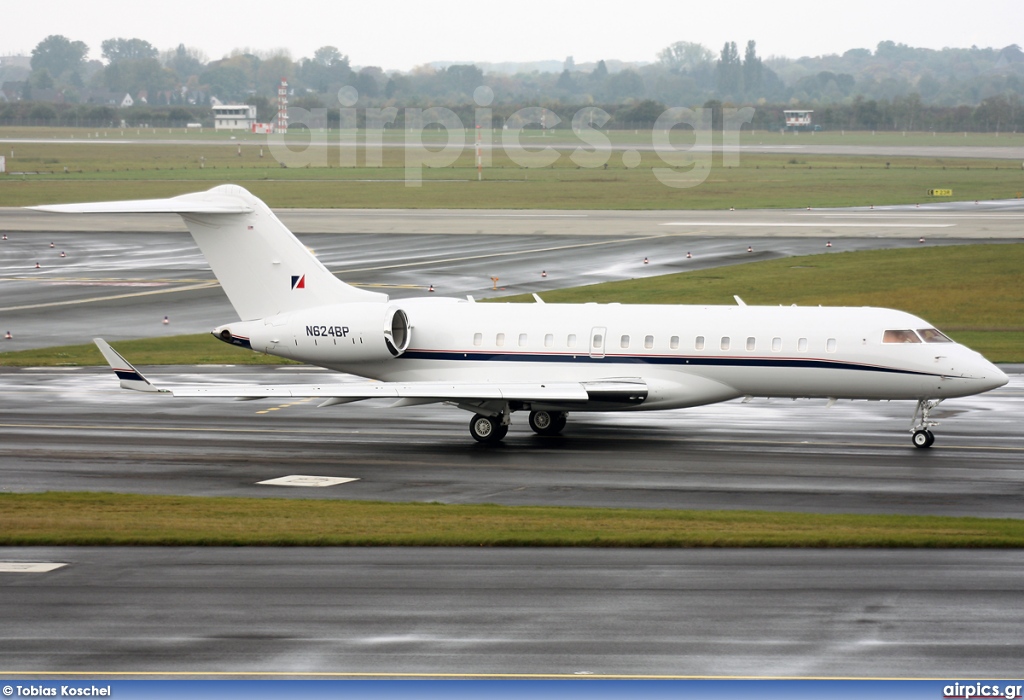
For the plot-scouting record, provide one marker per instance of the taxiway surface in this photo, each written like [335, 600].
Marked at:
[75, 430]
[514, 612]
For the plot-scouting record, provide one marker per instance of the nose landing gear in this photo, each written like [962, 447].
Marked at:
[922, 436]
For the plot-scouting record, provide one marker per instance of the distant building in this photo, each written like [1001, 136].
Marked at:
[798, 118]
[233, 117]
[103, 97]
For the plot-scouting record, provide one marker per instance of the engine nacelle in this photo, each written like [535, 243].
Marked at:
[326, 335]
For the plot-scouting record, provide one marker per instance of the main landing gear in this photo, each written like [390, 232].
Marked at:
[491, 429]
[922, 436]
[547, 422]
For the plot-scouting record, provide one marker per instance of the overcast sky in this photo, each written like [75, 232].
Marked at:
[400, 34]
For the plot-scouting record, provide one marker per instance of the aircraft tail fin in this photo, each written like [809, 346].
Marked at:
[264, 269]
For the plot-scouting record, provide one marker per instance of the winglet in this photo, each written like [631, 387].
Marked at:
[130, 377]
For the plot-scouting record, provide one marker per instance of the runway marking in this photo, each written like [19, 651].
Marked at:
[106, 280]
[28, 567]
[617, 437]
[51, 369]
[90, 300]
[923, 215]
[768, 224]
[284, 405]
[305, 480]
[502, 255]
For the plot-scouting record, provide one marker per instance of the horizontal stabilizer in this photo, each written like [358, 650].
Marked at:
[263, 268]
[201, 203]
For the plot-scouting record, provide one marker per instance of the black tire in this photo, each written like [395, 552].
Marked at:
[923, 438]
[487, 429]
[547, 422]
[560, 419]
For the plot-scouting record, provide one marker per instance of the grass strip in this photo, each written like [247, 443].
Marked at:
[57, 518]
[198, 349]
[41, 173]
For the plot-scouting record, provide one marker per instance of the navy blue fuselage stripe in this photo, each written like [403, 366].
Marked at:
[642, 360]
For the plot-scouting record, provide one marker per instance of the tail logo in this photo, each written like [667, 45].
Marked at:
[298, 281]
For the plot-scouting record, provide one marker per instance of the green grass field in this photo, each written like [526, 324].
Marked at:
[90, 169]
[125, 519]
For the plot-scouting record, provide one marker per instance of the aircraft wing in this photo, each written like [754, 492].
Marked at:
[409, 393]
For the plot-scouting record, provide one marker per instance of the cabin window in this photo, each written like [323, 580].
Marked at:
[499, 340]
[598, 341]
[571, 340]
[725, 342]
[522, 340]
[549, 340]
[751, 343]
[830, 345]
[673, 342]
[900, 336]
[623, 342]
[776, 344]
[698, 344]
[801, 345]
[478, 339]
[933, 335]
[649, 342]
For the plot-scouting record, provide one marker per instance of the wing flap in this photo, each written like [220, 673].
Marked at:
[436, 391]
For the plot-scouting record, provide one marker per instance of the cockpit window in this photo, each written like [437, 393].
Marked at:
[932, 335]
[901, 336]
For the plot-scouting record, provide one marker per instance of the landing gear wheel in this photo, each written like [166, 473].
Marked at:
[487, 429]
[923, 438]
[547, 422]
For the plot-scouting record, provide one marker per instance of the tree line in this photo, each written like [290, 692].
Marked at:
[893, 87]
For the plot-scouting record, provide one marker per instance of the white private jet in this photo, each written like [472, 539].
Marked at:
[549, 359]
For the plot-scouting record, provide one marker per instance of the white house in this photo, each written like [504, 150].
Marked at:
[230, 117]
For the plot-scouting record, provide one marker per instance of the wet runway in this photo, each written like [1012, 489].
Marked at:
[514, 612]
[76, 430]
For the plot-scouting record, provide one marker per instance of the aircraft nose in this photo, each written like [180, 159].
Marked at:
[986, 376]
[997, 377]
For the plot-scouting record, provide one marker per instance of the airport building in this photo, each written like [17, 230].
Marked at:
[798, 118]
[234, 117]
